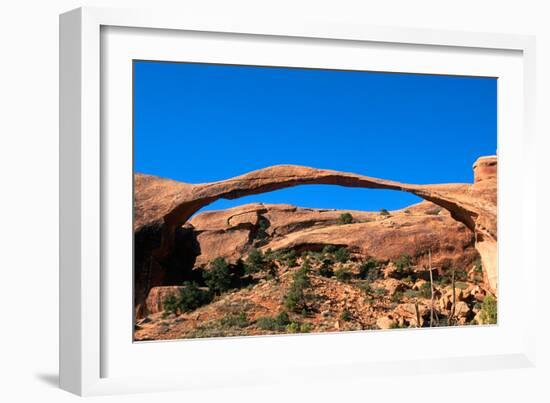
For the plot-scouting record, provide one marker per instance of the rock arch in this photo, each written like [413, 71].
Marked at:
[170, 203]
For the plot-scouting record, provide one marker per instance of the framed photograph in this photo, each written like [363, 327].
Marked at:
[237, 197]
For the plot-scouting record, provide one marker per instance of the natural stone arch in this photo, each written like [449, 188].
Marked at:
[171, 203]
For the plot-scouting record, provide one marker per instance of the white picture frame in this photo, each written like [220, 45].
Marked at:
[88, 335]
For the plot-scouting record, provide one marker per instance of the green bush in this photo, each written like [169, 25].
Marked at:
[341, 255]
[235, 320]
[369, 270]
[488, 314]
[267, 323]
[254, 261]
[461, 275]
[346, 315]
[365, 287]
[312, 255]
[218, 277]
[277, 323]
[191, 297]
[433, 211]
[326, 269]
[296, 298]
[425, 290]
[297, 327]
[380, 292]
[345, 218]
[293, 327]
[343, 275]
[170, 304]
[287, 257]
[411, 293]
[403, 263]
[478, 267]
[397, 297]
[329, 249]
[384, 212]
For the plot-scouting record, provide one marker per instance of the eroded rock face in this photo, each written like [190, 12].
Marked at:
[232, 233]
[170, 204]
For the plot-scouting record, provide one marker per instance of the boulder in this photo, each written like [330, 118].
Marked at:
[419, 284]
[393, 286]
[462, 310]
[385, 322]
[408, 313]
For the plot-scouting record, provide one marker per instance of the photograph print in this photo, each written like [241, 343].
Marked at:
[274, 200]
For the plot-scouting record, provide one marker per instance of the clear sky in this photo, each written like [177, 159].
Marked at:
[202, 122]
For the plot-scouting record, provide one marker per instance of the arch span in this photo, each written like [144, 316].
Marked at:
[170, 203]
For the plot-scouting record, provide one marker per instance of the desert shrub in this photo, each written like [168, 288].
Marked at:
[288, 257]
[444, 280]
[425, 290]
[433, 211]
[254, 261]
[191, 297]
[297, 327]
[345, 218]
[341, 255]
[329, 249]
[269, 255]
[411, 293]
[488, 313]
[296, 298]
[170, 304]
[384, 212]
[408, 212]
[403, 263]
[478, 267]
[276, 323]
[293, 327]
[326, 269]
[397, 296]
[343, 275]
[461, 275]
[312, 255]
[267, 323]
[218, 276]
[380, 292]
[346, 315]
[369, 270]
[282, 318]
[235, 320]
[365, 287]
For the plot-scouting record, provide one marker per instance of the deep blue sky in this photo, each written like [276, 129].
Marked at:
[201, 123]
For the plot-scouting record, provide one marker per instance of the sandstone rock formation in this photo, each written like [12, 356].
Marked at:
[232, 233]
[163, 206]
